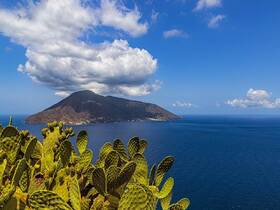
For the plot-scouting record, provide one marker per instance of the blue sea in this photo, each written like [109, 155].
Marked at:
[222, 162]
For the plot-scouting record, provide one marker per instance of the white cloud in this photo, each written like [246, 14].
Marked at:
[257, 94]
[144, 89]
[174, 33]
[256, 98]
[118, 16]
[183, 104]
[62, 93]
[205, 4]
[51, 32]
[215, 21]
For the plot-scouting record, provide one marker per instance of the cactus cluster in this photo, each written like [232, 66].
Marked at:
[53, 174]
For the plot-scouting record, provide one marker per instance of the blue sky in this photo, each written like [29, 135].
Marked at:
[189, 56]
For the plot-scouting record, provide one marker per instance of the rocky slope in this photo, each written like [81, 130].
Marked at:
[87, 107]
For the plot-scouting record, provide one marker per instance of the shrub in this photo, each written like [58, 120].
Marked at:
[51, 175]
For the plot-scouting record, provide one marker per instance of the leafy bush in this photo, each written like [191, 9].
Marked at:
[52, 175]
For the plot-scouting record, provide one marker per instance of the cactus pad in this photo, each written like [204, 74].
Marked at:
[141, 171]
[120, 148]
[104, 151]
[7, 193]
[111, 159]
[184, 203]
[166, 189]
[47, 199]
[11, 146]
[30, 148]
[125, 174]
[165, 202]
[82, 141]
[99, 180]
[133, 146]
[112, 174]
[163, 167]
[85, 160]
[65, 152]
[152, 175]
[19, 171]
[137, 197]
[9, 132]
[142, 146]
[3, 164]
[74, 194]
[24, 180]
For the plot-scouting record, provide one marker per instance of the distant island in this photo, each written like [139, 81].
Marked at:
[86, 107]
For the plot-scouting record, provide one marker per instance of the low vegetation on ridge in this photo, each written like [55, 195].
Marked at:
[51, 174]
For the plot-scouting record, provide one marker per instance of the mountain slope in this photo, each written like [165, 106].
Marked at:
[87, 107]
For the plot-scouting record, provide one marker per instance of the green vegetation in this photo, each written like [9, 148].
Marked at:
[50, 174]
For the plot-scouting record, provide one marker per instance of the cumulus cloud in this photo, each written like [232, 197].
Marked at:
[205, 4]
[183, 104]
[119, 17]
[174, 33]
[215, 21]
[52, 31]
[256, 98]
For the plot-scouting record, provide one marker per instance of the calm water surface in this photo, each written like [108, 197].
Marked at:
[222, 162]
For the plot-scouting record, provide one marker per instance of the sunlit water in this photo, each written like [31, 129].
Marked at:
[222, 162]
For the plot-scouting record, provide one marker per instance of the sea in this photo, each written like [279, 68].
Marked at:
[222, 162]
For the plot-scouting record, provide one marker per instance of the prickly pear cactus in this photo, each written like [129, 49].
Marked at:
[137, 197]
[47, 199]
[52, 173]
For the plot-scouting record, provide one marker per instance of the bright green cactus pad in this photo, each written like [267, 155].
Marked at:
[3, 164]
[137, 197]
[166, 188]
[104, 151]
[74, 194]
[141, 171]
[85, 159]
[61, 187]
[165, 202]
[54, 174]
[24, 180]
[10, 145]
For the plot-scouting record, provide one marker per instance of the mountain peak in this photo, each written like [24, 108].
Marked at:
[85, 106]
[83, 92]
